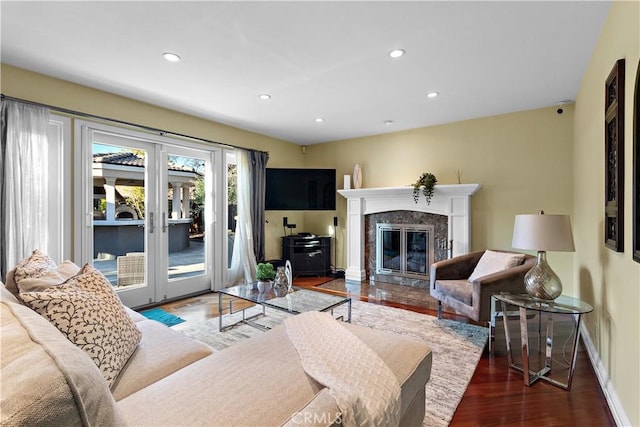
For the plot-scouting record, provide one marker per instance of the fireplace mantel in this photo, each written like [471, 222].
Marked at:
[454, 201]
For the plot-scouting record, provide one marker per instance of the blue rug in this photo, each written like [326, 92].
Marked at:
[162, 316]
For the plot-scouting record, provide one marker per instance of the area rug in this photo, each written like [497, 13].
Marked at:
[457, 347]
[162, 316]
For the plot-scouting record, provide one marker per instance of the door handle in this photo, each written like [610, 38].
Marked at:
[164, 222]
[151, 223]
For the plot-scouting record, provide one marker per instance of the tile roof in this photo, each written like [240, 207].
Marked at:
[121, 158]
[131, 159]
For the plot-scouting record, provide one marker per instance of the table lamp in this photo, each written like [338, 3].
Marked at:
[543, 233]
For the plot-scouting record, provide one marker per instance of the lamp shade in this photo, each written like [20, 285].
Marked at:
[542, 232]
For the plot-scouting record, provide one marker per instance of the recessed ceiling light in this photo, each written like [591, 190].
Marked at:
[171, 57]
[319, 120]
[388, 122]
[432, 94]
[396, 53]
[264, 96]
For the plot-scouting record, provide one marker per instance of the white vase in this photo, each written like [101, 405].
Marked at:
[357, 176]
[264, 285]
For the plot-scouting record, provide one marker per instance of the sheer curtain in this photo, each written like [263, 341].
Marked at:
[243, 260]
[24, 169]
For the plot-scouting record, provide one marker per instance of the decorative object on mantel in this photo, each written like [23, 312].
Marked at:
[357, 176]
[264, 275]
[614, 158]
[347, 182]
[543, 233]
[426, 182]
[636, 169]
[459, 176]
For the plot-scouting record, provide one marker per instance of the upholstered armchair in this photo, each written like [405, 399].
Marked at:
[451, 286]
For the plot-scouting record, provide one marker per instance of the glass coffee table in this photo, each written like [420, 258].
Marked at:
[297, 301]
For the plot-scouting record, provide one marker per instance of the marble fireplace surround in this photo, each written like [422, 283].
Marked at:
[453, 200]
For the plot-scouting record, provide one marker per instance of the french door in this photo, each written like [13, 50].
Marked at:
[148, 207]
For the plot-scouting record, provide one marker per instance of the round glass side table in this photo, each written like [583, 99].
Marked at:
[535, 312]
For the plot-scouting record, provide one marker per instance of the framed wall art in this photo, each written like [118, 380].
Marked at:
[636, 167]
[614, 158]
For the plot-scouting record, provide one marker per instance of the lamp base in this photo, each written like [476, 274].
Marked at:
[541, 282]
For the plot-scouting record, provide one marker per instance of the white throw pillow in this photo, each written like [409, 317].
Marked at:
[89, 313]
[493, 262]
[49, 278]
[32, 266]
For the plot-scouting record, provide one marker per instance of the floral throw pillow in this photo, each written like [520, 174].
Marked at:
[89, 313]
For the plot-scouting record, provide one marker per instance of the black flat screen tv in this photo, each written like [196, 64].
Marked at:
[300, 189]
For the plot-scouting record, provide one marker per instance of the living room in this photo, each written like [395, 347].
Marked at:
[524, 160]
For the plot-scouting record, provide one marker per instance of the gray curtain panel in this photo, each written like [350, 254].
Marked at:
[258, 161]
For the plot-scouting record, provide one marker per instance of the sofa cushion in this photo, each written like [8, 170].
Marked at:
[7, 296]
[161, 352]
[89, 313]
[493, 262]
[256, 382]
[46, 380]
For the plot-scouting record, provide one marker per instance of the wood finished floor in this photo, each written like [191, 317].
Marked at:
[496, 395]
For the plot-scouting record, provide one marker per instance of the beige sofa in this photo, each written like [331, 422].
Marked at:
[173, 380]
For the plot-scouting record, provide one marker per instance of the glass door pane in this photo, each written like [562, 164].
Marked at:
[417, 251]
[122, 221]
[184, 221]
[232, 203]
[390, 250]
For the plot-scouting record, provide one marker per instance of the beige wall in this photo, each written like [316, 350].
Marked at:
[523, 161]
[608, 280]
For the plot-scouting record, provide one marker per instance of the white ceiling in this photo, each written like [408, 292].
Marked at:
[316, 59]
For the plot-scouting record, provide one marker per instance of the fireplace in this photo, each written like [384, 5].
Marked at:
[400, 246]
[452, 203]
[403, 250]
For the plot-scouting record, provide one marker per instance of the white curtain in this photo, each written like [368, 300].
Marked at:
[24, 194]
[243, 260]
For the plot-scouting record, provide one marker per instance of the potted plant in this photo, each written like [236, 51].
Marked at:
[264, 274]
[426, 182]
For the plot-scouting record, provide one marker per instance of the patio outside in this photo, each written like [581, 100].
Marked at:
[186, 263]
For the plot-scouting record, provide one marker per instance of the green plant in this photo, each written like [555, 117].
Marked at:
[265, 271]
[427, 182]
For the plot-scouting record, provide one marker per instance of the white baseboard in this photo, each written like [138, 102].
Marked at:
[615, 406]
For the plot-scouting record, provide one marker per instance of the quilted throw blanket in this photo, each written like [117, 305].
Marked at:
[365, 389]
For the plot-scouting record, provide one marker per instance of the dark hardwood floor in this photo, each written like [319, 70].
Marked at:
[496, 395]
